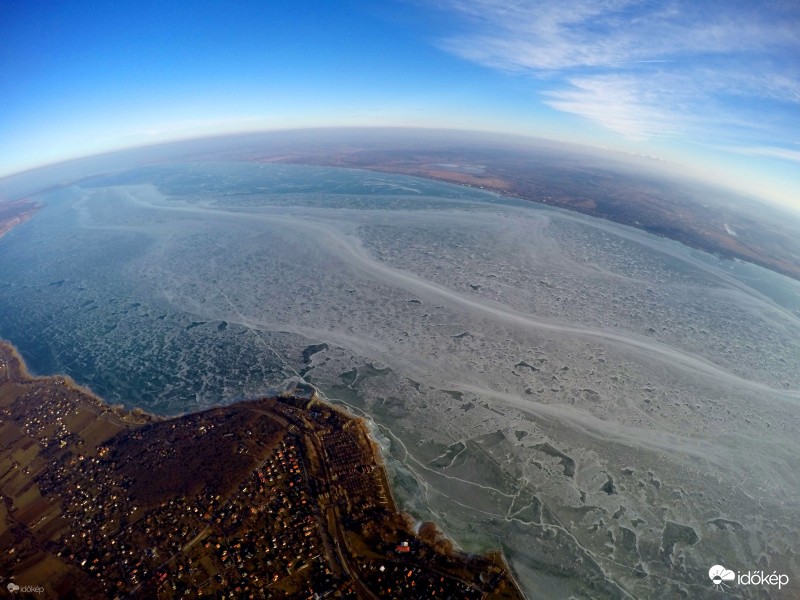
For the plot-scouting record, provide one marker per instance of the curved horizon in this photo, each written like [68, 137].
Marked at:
[721, 97]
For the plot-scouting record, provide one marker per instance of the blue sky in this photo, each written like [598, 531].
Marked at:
[713, 86]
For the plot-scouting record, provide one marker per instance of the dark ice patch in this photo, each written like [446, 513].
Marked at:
[608, 486]
[349, 377]
[454, 394]
[312, 350]
[522, 363]
[675, 533]
[726, 524]
[566, 461]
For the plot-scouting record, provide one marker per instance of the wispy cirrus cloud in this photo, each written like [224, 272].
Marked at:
[620, 103]
[645, 69]
[772, 152]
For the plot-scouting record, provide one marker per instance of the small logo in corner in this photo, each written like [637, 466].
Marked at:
[719, 575]
[13, 587]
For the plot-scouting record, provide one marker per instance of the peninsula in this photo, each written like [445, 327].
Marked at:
[280, 497]
[15, 213]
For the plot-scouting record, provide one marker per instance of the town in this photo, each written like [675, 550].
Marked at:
[281, 497]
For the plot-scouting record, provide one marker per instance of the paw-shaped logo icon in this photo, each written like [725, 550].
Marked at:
[719, 575]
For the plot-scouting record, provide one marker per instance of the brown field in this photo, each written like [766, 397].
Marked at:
[273, 497]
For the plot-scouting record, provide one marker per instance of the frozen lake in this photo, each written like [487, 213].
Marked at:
[615, 410]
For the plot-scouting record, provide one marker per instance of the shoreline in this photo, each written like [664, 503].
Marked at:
[20, 374]
[14, 369]
[17, 217]
[364, 424]
[726, 248]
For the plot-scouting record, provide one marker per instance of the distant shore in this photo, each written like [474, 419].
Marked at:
[15, 213]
